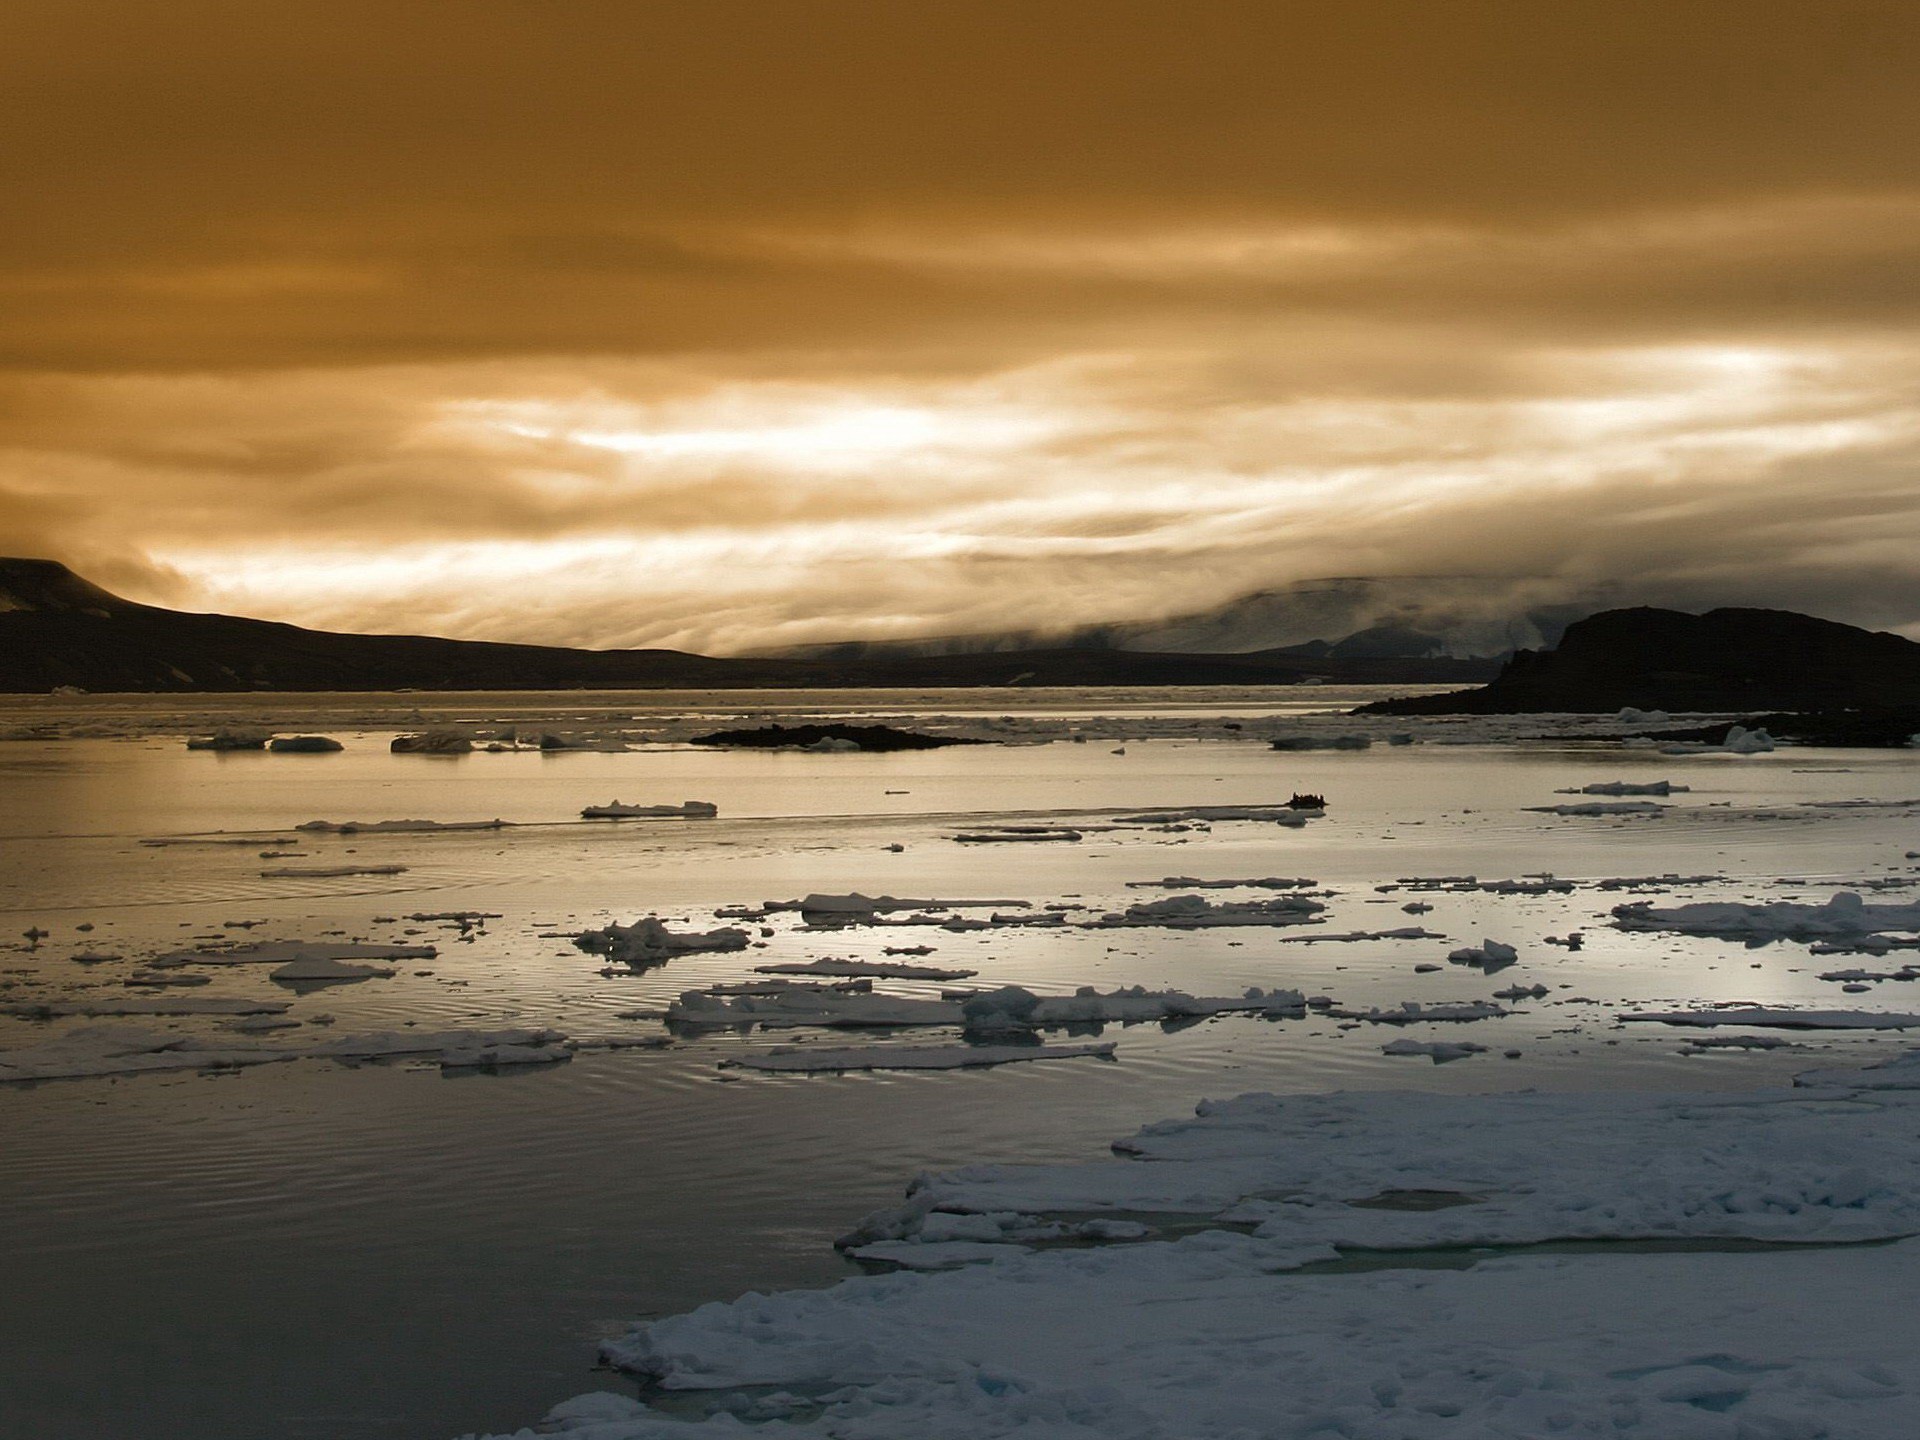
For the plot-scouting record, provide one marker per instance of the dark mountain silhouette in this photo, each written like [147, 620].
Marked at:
[57, 629]
[1725, 660]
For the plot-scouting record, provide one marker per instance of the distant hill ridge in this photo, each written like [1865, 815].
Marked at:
[57, 629]
[1731, 660]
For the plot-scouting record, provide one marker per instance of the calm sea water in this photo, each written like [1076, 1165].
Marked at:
[381, 1251]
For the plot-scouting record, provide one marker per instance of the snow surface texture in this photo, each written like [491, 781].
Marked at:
[1207, 1336]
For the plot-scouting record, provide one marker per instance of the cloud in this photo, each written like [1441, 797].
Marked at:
[721, 326]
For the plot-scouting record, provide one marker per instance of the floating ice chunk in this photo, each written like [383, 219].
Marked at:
[432, 742]
[648, 942]
[161, 977]
[1438, 1051]
[925, 1057]
[1845, 914]
[1520, 992]
[1197, 912]
[823, 1008]
[262, 1024]
[329, 872]
[1015, 835]
[235, 739]
[476, 1055]
[1351, 741]
[315, 969]
[1629, 787]
[1739, 741]
[1013, 1006]
[1488, 955]
[601, 744]
[1772, 1018]
[396, 827]
[877, 969]
[304, 745]
[783, 987]
[1905, 972]
[95, 1050]
[854, 908]
[289, 952]
[685, 810]
[1632, 716]
[1404, 932]
[1603, 807]
[1282, 814]
[1412, 1012]
[146, 1005]
[390, 1044]
[1187, 882]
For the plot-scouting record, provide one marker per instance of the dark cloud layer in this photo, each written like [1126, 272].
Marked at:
[728, 321]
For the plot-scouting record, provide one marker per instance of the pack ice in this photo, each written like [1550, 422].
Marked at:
[1004, 1321]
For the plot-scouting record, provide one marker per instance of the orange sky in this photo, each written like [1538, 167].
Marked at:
[722, 323]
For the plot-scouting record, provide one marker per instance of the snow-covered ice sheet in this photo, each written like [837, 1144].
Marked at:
[1201, 1340]
[1210, 1336]
[1783, 1165]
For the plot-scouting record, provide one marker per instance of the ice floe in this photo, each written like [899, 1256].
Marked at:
[796, 1060]
[329, 872]
[1779, 1018]
[875, 969]
[1603, 807]
[145, 1005]
[1009, 1008]
[1196, 912]
[1438, 1051]
[1628, 787]
[320, 969]
[292, 952]
[396, 827]
[1739, 741]
[432, 742]
[1413, 1012]
[98, 1050]
[985, 1335]
[648, 942]
[1844, 914]
[304, 745]
[831, 1009]
[1488, 955]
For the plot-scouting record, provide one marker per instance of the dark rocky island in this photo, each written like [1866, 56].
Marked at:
[57, 629]
[1725, 661]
